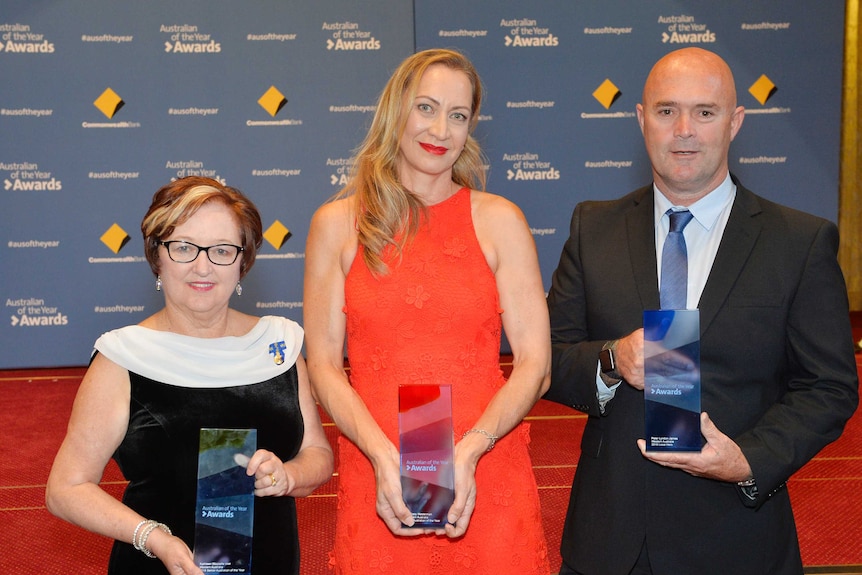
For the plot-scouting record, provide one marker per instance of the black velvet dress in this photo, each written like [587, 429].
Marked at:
[159, 453]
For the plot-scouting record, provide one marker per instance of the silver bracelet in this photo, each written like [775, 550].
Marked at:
[139, 540]
[490, 436]
[135, 534]
[145, 534]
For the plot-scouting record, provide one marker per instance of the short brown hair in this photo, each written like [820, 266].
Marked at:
[177, 201]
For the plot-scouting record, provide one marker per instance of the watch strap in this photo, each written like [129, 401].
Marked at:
[608, 362]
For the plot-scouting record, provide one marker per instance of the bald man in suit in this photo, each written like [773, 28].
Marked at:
[778, 373]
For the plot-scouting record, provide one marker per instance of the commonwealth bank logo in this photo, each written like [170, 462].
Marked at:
[272, 101]
[607, 93]
[277, 234]
[115, 238]
[109, 103]
[763, 89]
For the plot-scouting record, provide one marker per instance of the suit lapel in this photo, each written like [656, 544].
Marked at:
[640, 230]
[737, 241]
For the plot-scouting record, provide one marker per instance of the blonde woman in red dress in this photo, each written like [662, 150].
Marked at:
[419, 272]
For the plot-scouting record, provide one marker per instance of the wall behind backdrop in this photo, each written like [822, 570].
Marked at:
[104, 101]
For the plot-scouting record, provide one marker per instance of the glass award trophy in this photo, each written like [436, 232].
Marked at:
[672, 380]
[426, 437]
[225, 501]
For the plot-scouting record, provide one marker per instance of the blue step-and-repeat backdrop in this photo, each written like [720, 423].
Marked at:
[104, 101]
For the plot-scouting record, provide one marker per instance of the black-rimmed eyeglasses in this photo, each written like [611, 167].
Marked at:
[186, 252]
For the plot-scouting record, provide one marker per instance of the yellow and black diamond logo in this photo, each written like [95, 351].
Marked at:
[109, 103]
[115, 238]
[272, 101]
[763, 89]
[277, 234]
[607, 93]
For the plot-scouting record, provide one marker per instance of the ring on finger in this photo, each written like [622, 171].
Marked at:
[273, 479]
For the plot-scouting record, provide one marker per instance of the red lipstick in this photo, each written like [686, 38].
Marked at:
[436, 150]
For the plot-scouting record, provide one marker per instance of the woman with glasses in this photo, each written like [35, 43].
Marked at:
[196, 363]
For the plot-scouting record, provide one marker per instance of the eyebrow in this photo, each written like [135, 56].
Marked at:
[218, 242]
[437, 102]
[674, 104]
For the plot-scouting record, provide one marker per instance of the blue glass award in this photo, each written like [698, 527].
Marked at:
[672, 380]
[225, 501]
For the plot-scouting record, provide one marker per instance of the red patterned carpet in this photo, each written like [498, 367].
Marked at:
[826, 493]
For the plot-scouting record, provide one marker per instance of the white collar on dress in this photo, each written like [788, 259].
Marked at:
[269, 349]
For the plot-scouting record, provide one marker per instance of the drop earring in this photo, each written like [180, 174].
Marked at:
[158, 283]
[238, 288]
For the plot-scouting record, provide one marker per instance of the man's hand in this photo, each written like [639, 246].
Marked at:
[720, 459]
[630, 358]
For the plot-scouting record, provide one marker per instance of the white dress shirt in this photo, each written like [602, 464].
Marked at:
[702, 238]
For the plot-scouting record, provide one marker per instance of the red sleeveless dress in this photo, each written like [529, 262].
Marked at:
[435, 319]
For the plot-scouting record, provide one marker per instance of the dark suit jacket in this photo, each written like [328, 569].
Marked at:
[778, 376]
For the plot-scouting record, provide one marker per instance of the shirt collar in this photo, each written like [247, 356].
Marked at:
[706, 210]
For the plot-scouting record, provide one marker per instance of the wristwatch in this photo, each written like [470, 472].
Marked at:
[608, 361]
[748, 488]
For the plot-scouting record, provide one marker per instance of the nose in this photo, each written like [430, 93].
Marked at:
[202, 263]
[439, 127]
[684, 126]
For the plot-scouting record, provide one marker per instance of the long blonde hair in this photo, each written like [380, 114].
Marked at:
[388, 214]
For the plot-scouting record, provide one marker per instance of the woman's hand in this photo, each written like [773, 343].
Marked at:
[467, 454]
[270, 475]
[390, 501]
[173, 552]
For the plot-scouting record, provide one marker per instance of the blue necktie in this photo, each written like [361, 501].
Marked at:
[674, 263]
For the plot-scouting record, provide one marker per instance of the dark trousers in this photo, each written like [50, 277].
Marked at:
[641, 567]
